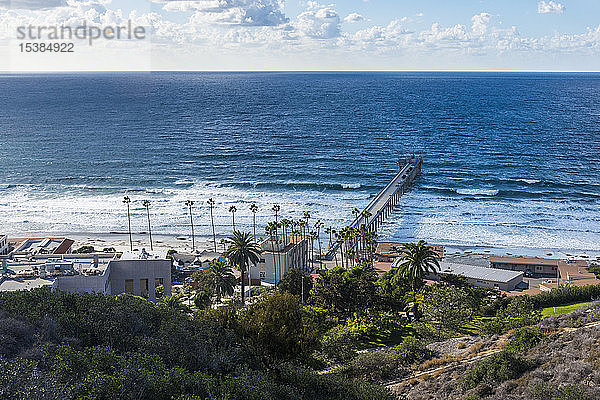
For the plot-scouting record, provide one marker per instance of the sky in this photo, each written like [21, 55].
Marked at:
[544, 35]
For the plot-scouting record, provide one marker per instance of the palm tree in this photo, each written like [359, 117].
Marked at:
[270, 230]
[332, 233]
[254, 209]
[146, 203]
[233, 210]
[189, 204]
[302, 224]
[338, 238]
[318, 226]
[366, 215]
[242, 252]
[211, 205]
[174, 302]
[417, 260]
[223, 243]
[329, 231]
[276, 208]
[285, 224]
[312, 235]
[127, 201]
[223, 279]
[306, 229]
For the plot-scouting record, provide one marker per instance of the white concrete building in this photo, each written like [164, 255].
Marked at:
[100, 273]
[281, 254]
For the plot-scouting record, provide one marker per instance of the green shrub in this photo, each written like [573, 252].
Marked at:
[278, 326]
[519, 312]
[375, 366]
[570, 392]
[546, 391]
[566, 295]
[293, 280]
[370, 324]
[340, 343]
[496, 369]
[85, 250]
[410, 351]
[524, 339]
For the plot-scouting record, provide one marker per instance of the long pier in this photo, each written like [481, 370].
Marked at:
[383, 204]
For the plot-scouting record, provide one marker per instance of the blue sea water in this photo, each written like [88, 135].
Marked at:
[511, 159]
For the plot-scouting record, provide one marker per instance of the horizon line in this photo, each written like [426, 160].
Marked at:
[298, 70]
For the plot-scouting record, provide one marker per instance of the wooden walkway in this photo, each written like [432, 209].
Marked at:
[383, 204]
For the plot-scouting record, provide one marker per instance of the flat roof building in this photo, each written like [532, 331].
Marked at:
[530, 266]
[281, 254]
[492, 278]
[34, 246]
[99, 273]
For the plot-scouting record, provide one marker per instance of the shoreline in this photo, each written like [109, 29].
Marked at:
[183, 243]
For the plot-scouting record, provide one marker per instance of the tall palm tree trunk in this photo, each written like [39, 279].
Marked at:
[212, 222]
[149, 228]
[129, 223]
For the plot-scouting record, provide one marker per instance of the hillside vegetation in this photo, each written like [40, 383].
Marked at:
[559, 359]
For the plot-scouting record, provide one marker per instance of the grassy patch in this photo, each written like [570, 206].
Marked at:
[550, 311]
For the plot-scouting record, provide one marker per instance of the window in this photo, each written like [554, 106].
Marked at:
[144, 288]
[159, 289]
[129, 286]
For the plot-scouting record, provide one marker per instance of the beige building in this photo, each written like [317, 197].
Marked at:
[281, 254]
[530, 266]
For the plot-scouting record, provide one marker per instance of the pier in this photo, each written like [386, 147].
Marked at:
[383, 204]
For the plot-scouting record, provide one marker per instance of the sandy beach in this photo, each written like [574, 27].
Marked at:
[161, 243]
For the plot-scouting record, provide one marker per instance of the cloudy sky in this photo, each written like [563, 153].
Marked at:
[309, 35]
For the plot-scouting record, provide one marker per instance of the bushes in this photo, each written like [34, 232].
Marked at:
[410, 351]
[90, 346]
[345, 291]
[524, 339]
[546, 391]
[372, 324]
[293, 281]
[566, 295]
[447, 308]
[340, 343]
[85, 250]
[328, 386]
[278, 326]
[519, 312]
[496, 369]
[375, 366]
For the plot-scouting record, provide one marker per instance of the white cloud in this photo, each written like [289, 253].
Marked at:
[550, 7]
[354, 17]
[480, 23]
[318, 22]
[222, 29]
[234, 12]
[31, 4]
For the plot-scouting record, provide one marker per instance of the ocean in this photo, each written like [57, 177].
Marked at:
[511, 160]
